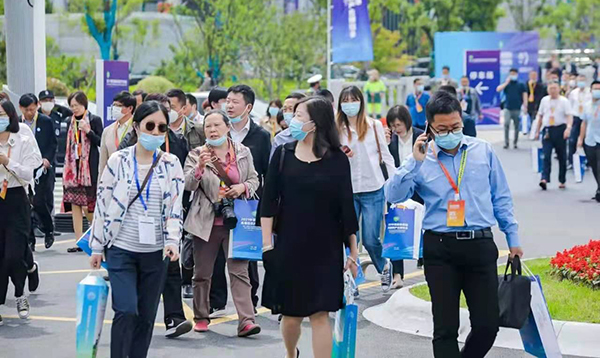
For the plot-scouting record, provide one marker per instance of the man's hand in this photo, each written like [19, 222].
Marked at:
[172, 252]
[567, 133]
[235, 191]
[516, 251]
[419, 152]
[580, 142]
[95, 261]
[388, 135]
[46, 163]
[3, 159]
[537, 135]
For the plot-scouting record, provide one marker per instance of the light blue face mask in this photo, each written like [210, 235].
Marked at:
[581, 84]
[4, 122]
[273, 111]
[287, 117]
[420, 88]
[151, 142]
[595, 94]
[351, 109]
[238, 119]
[514, 77]
[216, 142]
[450, 141]
[297, 129]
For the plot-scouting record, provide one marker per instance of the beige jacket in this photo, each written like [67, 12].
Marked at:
[200, 218]
[107, 144]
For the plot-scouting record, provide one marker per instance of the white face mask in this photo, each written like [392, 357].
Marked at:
[117, 113]
[173, 115]
[47, 106]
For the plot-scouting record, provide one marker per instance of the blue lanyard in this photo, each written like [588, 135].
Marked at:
[137, 180]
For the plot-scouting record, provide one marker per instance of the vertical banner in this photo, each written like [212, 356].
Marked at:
[350, 31]
[483, 70]
[112, 77]
[289, 6]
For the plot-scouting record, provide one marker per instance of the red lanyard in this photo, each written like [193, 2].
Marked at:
[461, 171]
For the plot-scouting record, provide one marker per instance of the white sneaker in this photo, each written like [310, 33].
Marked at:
[22, 307]
[386, 277]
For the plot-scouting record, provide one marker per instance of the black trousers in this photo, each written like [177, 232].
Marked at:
[186, 276]
[43, 203]
[573, 138]
[593, 157]
[553, 138]
[218, 286]
[172, 303]
[452, 266]
[398, 266]
[136, 280]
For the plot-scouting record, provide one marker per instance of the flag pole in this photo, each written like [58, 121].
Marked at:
[329, 44]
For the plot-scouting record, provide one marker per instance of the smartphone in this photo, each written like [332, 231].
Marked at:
[346, 149]
[424, 147]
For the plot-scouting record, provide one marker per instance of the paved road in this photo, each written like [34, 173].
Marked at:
[550, 221]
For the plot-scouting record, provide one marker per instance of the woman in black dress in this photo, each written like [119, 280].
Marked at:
[309, 192]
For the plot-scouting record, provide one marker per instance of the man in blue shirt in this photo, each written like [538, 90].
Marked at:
[515, 93]
[465, 192]
[416, 104]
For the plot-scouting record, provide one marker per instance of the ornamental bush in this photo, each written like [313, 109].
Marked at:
[579, 264]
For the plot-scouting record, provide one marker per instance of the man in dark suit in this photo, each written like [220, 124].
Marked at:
[43, 200]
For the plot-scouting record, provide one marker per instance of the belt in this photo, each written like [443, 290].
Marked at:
[464, 235]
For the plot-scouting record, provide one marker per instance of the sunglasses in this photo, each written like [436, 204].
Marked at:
[163, 128]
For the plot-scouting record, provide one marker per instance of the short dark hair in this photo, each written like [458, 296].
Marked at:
[245, 90]
[554, 71]
[325, 93]
[80, 97]
[594, 83]
[442, 102]
[148, 108]
[11, 112]
[467, 77]
[513, 70]
[296, 95]
[216, 94]
[219, 112]
[399, 113]
[27, 100]
[192, 99]
[280, 117]
[126, 99]
[140, 92]
[446, 67]
[448, 89]
[415, 80]
[179, 94]
[326, 135]
[158, 97]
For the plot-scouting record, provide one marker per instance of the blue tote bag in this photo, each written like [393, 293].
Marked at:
[403, 237]
[245, 241]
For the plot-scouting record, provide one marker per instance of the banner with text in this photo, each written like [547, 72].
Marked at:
[112, 77]
[483, 70]
[351, 31]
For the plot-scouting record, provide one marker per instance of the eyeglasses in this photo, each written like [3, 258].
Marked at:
[163, 128]
[446, 133]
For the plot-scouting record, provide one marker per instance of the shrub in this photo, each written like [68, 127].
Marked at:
[57, 87]
[155, 84]
[579, 264]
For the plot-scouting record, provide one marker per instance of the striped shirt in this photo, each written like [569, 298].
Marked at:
[128, 237]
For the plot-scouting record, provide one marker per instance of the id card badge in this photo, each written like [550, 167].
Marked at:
[4, 189]
[456, 213]
[552, 121]
[146, 230]
[464, 105]
[419, 107]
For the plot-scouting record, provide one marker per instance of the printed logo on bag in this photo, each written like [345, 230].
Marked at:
[91, 296]
[396, 218]
[254, 213]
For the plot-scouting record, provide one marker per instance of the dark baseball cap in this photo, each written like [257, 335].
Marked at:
[46, 95]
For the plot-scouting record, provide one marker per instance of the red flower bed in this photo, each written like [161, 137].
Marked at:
[579, 264]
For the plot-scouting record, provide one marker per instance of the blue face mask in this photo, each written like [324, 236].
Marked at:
[420, 88]
[581, 84]
[351, 109]
[216, 142]
[514, 77]
[595, 94]
[238, 119]
[151, 142]
[297, 129]
[4, 122]
[451, 141]
[273, 111]
[287, 117]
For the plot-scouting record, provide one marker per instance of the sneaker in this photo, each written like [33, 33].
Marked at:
[506, 146]
[217, 313]
[597, 197]
[386, 277]
[515, 146]
[250, 330]
[22, 307]
[177, 327]
[188, 291]
[544, 185]
[34, 278]
[48, 241]
[201, 327]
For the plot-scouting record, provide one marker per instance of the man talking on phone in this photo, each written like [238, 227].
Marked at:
[465, 192]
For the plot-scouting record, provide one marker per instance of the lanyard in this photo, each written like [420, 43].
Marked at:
[461, 172]
[118, 139]
[75, 126]
[137, 181]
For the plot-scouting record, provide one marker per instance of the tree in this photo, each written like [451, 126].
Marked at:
[525, 13]
[576, 23]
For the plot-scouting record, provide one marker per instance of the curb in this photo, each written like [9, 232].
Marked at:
[406, 313]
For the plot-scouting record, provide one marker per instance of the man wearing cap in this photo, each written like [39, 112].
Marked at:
[315, 84]
[58, 114]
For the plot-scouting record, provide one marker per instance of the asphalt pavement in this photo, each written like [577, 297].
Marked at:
[549, 221]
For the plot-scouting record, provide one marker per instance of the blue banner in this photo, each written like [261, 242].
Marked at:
[483, 70]
[112, 77]
[351, 31]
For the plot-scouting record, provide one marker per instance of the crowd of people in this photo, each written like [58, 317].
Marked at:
[162, 173]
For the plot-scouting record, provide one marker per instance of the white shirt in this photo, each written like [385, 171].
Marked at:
[405, 149]
[554, 112]
[364, 164]
[578, 99]
[238, 137]
[25, 157]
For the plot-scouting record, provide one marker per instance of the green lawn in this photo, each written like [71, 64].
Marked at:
[567, 301]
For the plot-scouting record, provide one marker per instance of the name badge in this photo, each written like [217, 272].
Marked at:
[147, 230]
[456, 213]
[464, 105]
[419, 108]
[4, 189]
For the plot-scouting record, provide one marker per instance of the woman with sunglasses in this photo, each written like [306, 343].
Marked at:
[138, 224]
[82, 158]
[208, 223]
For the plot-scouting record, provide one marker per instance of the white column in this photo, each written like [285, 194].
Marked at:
[25, 47]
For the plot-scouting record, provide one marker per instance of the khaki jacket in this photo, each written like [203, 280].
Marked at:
[107, 144]
[200, 218]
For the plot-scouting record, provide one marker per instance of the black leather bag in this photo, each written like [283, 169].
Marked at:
[187, 252]
[514, 295]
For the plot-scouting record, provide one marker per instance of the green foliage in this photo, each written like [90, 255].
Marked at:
[576, 23]
[525, 13]
[388, 51]
[155, 84]
[57, 87]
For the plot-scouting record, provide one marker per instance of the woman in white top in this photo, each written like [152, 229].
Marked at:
[19, 156]
[364, 141]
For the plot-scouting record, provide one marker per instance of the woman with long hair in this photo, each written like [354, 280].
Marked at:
[309, 191]
[364, 141]
[270, 122]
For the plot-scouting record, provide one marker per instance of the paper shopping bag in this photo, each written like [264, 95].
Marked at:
[538, 336]
[245, 241]
[403, 237]
[92, 295]
[84, 244]
[345, 326]
[579, 164]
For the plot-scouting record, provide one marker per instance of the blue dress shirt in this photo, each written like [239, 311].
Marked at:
[418, 118]
[484, 189]
[283, 137]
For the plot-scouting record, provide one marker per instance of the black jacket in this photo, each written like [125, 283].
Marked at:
[46, 138]
[393, 146]
[539, 92]
[94, 136]
[258, 140]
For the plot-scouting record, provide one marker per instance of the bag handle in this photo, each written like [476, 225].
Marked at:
[515, 267]
[154, 164]
[378, 146]
[220, 171]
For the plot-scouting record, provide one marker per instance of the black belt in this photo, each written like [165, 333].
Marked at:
[464, 235]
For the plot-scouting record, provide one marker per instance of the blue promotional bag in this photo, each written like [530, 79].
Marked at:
[346, 321]
[403, 237]
[579, 164]
[84, 244]
[92, 296]
[245, 241]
